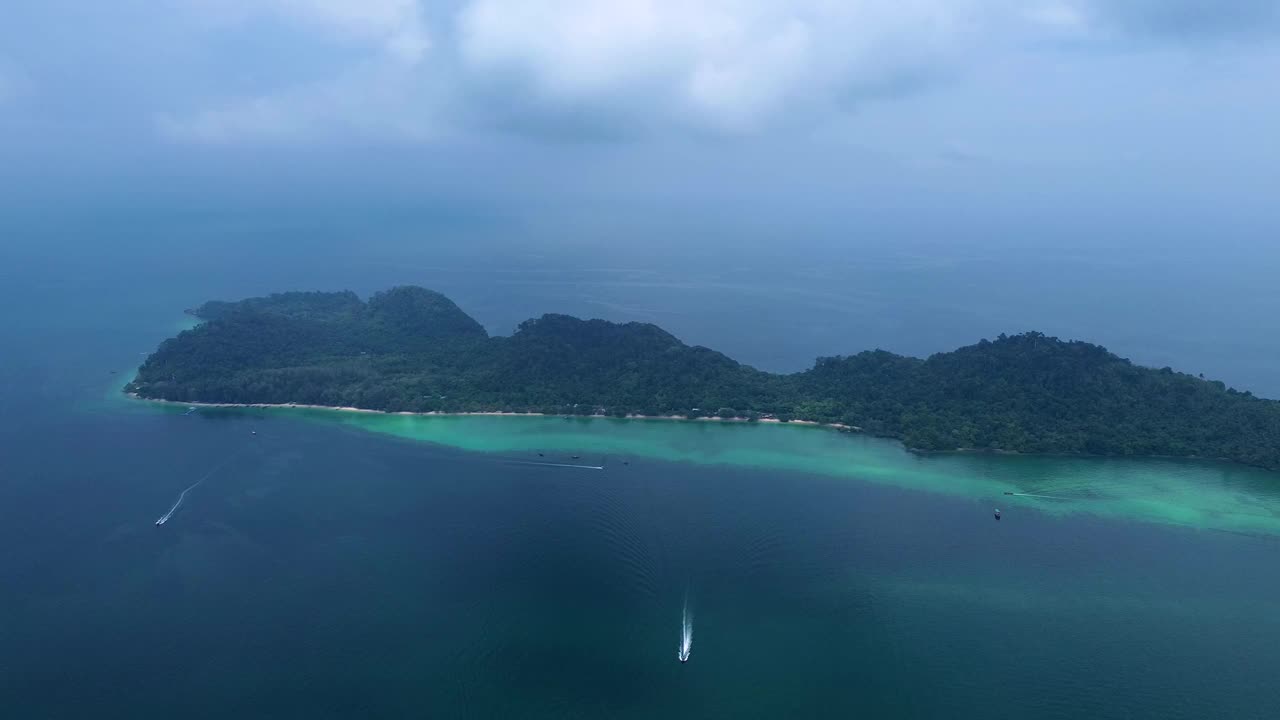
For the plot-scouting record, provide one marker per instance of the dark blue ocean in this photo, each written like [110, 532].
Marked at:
[325, 572]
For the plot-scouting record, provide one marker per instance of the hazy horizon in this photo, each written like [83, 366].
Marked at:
[1144, 119]
[1098, 169]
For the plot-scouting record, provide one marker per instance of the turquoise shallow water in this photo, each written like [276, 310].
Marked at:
[1205, 495]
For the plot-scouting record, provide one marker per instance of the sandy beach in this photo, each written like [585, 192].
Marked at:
[814, 423]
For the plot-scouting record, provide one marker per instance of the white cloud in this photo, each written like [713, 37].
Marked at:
[721, 65]
[724, 63]
[732, 66]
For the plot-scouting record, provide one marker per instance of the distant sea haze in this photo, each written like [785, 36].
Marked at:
[776, 306]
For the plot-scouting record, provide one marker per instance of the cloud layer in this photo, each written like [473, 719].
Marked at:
[719, 65]
[414, 70]
[726, 64]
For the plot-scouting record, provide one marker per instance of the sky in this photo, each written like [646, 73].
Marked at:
[1009, 118]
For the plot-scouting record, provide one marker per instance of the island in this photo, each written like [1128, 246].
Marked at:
[409, 349]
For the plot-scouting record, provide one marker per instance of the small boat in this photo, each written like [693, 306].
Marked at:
[576, 457]
[1008, 492]
[683, 659]
[997, 513]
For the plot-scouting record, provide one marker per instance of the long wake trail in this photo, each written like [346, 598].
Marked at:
[686, 632]
[183, 495]
[563, 465]
[1048, 497]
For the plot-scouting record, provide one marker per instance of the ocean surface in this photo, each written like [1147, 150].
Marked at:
[336, 565]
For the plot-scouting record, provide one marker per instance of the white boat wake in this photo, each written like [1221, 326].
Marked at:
[686, 633]
[183, 495]
[1048, 497]
[165, 517]
[563, 465]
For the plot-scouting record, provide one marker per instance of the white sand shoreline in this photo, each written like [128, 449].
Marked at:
[303, 406]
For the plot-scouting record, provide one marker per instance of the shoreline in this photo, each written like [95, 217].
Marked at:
[839, 427]
[496, 413]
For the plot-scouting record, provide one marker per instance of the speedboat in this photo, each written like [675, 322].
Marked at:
[160, 521]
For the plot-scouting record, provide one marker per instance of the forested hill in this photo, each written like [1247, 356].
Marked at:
[410, 349]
